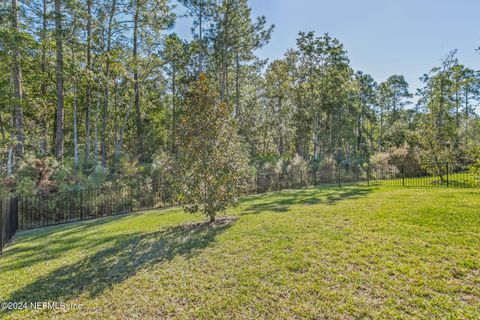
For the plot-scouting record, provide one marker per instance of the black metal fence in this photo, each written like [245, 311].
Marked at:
[426, 175]
[58, 208]
[8, 220]
[35, 211]
[29, 212]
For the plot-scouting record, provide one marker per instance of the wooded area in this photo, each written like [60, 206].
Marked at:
[95, 93]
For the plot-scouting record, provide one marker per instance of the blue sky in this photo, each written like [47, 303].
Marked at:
[382, 37]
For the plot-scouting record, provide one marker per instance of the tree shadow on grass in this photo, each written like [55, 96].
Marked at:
[282, 201]
[74, 227]
[41, 245]
[122, 260]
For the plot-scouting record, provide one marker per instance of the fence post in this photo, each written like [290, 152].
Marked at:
[81, 204]
[13, 212]
[403, 175]
[448, 181]
[339, 176]
[1, 227]
[131, 200]
[280, 179]
[368, 175]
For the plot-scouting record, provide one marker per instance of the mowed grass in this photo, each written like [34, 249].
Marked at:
[336, 253]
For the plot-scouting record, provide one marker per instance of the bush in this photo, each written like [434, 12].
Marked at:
[26, 186]
[327, 172]
[381, 168]
[475, 170]
[297, 171]
[36, 175]
[268, 176]
[352, 171]
[395, 158]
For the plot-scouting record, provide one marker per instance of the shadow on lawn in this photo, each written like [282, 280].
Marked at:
[63, 238]
[282, 201]
[57, 240]
[122, 260]
[74, 227]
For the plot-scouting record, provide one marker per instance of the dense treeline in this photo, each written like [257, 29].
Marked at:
[93, 93]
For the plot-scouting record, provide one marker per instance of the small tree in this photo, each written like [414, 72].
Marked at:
[213, 167]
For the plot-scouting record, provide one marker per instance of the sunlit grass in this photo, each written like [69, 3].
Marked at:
[351, 252]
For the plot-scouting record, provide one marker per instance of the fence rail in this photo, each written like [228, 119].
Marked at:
[36, 211]
[427, 175]
[58, 208]
[29, 212]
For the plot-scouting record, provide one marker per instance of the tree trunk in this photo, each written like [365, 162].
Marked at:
[237, 86]
[88, 93]
[174, 112]
[2, 129]
[43, 86]
[119, 146]
[281, 144]
[59, 78]
[372, 142]
[380, 141]
[361, 122]
[136, 84]
[10, 162]
[200, 35]
[17, 83]
[107, 86]
[95, 142]
[223, 78]
[75, 129]
[75, 124]
[457, 109]
[466, 112]
[225, 46]
[116, 135]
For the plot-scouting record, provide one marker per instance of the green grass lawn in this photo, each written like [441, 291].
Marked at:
[354, 252]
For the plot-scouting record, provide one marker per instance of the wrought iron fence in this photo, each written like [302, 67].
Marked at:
[425, 175]
[35, 211]
[8, 220]
[428, 175]
[58, 208]
[29, 212]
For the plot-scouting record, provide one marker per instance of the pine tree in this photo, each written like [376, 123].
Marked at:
[59, 138]
[438, 130]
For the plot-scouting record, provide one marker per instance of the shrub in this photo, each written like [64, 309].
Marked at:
[36, 175]
[268, 176]
[394, 159]
[298, 171]
[327, 172]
